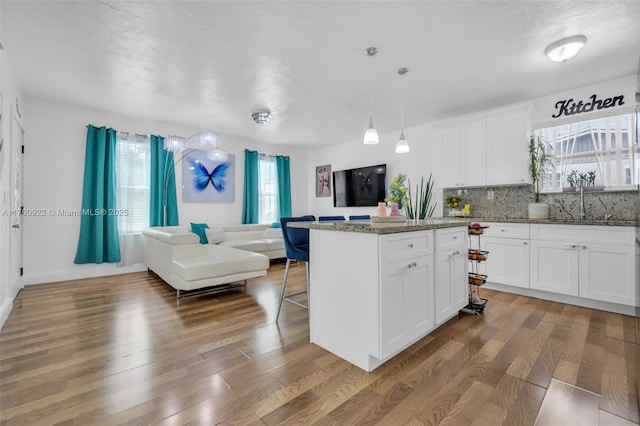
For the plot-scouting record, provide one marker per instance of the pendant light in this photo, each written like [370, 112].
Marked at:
[402, 146]
[371, 134]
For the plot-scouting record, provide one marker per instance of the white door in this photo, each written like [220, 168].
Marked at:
[473, 151]
[451, 292]
[607, 273]
[554, 267]
[508, 261]
[449, 139]
[15, 242]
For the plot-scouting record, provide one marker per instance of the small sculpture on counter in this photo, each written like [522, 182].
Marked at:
[394, 210]
[382, 209]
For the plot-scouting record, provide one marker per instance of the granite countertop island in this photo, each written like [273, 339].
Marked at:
[381, 228]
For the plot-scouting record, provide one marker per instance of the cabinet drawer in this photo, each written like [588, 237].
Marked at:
[450, 237]
[506, 230]
[406, 244]
[583, 233]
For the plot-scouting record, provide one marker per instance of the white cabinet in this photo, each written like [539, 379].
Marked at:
[449, 141]
[371, 295]
[507, 153]
[451, 293]
[594, 262]
[406, 303]
[508, 247]
[484, 149]
[463, 154]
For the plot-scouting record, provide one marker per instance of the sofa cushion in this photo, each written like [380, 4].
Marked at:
[272, 233]
[171, 234]
[274, 243]
[215, 235]
[220, 262]
[258, 246]
[199, 229]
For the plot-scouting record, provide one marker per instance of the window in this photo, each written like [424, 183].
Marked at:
[133, 160]
[606, 146]
[268, 189]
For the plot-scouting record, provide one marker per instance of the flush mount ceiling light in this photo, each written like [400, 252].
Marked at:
[371, 134]
[261, 117]
[565, 49]
[402, 146]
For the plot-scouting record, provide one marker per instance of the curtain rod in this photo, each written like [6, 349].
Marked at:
[122, 133]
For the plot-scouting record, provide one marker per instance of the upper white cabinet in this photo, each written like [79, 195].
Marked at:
[484, 149]
[507, 160]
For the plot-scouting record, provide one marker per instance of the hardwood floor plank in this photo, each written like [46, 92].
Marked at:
[122, 350]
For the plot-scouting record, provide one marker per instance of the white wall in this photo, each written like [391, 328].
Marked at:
[54, 164]
[422, 160]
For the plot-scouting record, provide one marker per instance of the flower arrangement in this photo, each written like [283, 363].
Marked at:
[398, 191]
[453, 202]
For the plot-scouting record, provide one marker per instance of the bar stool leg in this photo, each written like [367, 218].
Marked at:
[284, 285]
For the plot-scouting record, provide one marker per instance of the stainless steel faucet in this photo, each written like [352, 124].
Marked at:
[583, 212]
[607, 215]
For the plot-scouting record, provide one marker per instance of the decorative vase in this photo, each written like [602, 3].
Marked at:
[538, 211]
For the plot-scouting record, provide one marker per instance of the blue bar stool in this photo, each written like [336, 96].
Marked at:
[330, 218]
[296, 245]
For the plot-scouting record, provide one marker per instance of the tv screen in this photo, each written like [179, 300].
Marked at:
[363, 186]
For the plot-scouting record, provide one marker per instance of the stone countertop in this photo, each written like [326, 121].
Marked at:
[382, 227]
[598, 222]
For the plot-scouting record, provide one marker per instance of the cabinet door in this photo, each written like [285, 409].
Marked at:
[507, 150]
[406, 303]
[449, 139]
[607, 273]
[451, 293]
[554, 267]
[473, 151]
[508, 261]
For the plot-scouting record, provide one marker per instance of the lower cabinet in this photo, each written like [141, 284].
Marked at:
[406, 302]
[593, 262]
[451, 292]
[508, 261]
[371, 295]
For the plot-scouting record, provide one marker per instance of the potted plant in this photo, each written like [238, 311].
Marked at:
[421, 207]
[539, 161]
[398, 192]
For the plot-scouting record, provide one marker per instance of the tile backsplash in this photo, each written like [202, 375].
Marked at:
[513, 201]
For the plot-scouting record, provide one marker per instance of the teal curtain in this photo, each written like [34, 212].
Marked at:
[284, 186]
[162, 185]
[98, 241]
[250, 198]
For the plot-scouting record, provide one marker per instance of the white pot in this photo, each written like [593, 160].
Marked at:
[538, 211]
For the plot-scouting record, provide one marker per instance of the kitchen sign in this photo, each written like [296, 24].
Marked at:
[570, 107]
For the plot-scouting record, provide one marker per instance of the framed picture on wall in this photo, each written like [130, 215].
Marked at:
[205, 180]
[323, 181]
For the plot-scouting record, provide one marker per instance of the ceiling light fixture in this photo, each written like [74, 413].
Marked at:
[261, 117]
[565, 49]
[371, 134]
[402, 146]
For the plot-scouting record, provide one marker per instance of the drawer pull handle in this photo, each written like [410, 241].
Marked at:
[455, 237]
[412, 265]
[525, 243]
[502, 230]
[411, 245]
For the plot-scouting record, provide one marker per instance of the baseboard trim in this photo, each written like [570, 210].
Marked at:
[5, 310]
[562, 298]
[92, 271]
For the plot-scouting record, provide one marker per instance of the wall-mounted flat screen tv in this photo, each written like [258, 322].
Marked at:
[364, 186]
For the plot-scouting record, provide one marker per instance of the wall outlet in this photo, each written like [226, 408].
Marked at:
[490, 195]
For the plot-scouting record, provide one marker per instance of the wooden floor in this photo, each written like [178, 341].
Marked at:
[122, 350]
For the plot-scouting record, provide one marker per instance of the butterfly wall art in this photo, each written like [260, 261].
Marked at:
[208, 181]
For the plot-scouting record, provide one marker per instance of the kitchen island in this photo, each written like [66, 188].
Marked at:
[376, 288]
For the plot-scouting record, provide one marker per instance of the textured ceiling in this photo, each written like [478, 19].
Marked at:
[209, 64]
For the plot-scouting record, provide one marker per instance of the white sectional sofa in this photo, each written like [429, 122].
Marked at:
[256, 238]
[175, 254]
